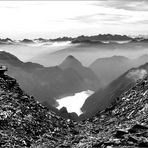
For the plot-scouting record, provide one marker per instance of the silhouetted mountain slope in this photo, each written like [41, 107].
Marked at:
[108, 69]
[13, 60]
[87, 41]
[27, 41]
[139, 40]
[100, 37]
[40, 81]
[40, 40]
[50, 83]
[58, 82]
[26, 123]
[104, 97]
[87, 74]
[70, 62]
[6, 41]
[61, 39]
[124, 124]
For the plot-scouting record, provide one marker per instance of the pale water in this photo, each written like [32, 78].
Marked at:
[75, 102]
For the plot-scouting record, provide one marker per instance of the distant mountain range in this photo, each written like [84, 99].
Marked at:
[81, 39]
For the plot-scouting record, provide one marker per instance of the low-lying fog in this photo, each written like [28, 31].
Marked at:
[53, 53]
[75, 102]
[26, 52]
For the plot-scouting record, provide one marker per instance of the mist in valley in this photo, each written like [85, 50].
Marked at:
[74, 74]
[53, 53]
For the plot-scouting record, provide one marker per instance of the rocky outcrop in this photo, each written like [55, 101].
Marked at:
[124, 124]
[24, 122]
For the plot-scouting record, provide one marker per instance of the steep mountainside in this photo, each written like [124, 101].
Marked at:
[104, 97]
[47, 83]
[108, 69]
[26, 123]
[124, 124]
[57, 82]
[87, 74]
[8, 58]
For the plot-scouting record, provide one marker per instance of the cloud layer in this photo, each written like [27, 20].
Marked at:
[134, 5]
[52, 19]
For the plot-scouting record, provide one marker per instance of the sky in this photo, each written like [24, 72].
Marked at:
[52, 19]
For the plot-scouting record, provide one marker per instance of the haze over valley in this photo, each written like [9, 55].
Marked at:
[53, 52]
[74, 74]
[64, 69]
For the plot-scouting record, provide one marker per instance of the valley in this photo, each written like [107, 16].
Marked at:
[53, 85]
[74, 74]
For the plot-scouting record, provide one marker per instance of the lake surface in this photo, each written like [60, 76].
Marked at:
[75, 102]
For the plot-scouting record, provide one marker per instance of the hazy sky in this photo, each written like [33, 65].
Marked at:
[51, 19]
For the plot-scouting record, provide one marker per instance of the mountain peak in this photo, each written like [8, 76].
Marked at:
[71, 57]
[70, 62]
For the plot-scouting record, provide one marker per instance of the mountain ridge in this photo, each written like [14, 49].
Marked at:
[102, 98]
[47, 84]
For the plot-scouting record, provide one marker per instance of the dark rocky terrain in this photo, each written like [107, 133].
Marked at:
[24, 122]
[123, 124]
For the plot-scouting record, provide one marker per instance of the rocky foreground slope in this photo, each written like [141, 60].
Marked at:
[26, 123]
[123, 124]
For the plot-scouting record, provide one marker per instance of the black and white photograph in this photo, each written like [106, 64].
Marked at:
[74, 74]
